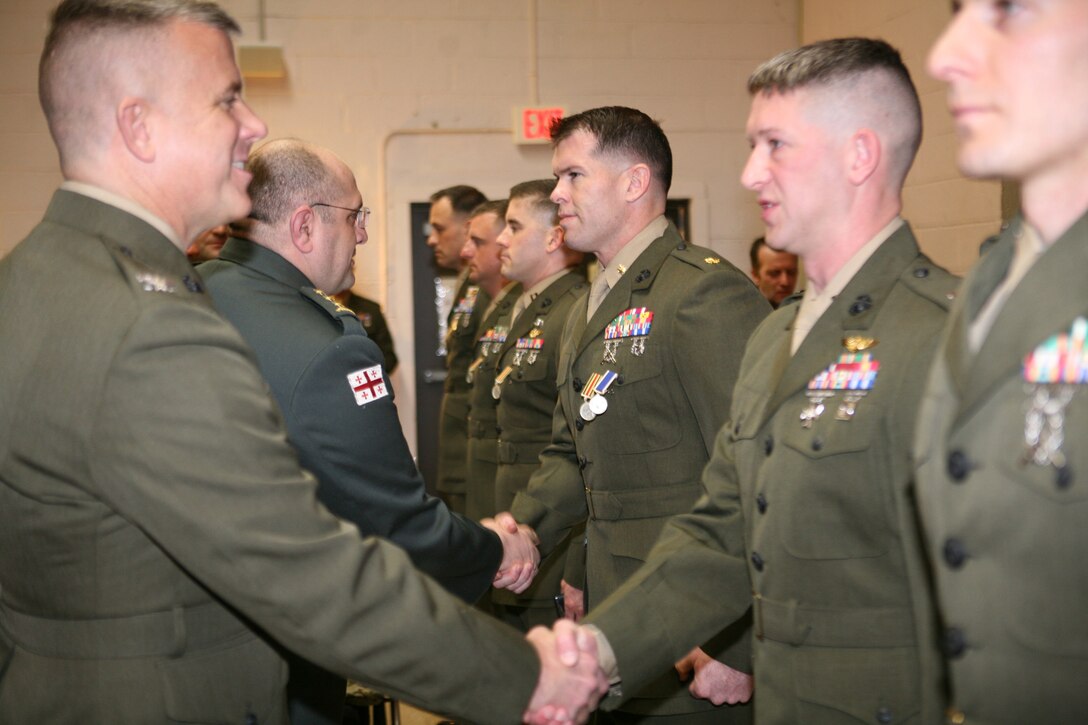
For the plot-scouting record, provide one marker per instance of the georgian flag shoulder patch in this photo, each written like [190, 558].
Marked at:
[368, 385]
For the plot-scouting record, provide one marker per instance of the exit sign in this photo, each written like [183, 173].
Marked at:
[533, 125]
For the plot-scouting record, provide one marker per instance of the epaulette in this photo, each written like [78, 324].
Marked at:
[347, 319]
[931, 282]
[147, 279]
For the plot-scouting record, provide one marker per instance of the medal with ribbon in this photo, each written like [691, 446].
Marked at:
[1052, 373]
[593, 394]
[854, 373]
[634, 323]
[496, 389]
[528, 346]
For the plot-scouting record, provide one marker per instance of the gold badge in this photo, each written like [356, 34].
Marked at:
[857, 343]
[712, 260]
[339, 307]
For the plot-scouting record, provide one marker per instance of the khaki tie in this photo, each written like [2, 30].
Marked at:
[521, 305]
[597, 292]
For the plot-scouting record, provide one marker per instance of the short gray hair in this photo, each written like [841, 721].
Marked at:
[286, 174]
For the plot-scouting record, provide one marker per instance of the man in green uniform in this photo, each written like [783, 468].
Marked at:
[156, 529]
[807, 506]
[1001, 440]
[272, 281]
[481, 253]
[449, 215]
[534, 254]
[645, 375]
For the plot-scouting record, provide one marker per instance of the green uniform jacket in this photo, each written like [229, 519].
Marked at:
[524, 418]
[1007, 535]
[631, 468]
[328, 379]
[370, 315]
[467, 313]
[816, 522]
[151, 509]
[480, 454]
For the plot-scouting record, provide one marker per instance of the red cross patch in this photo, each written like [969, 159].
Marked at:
[368, 385]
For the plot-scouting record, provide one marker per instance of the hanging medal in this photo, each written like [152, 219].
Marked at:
[496, 389]
[593, 392]
[1052, 373]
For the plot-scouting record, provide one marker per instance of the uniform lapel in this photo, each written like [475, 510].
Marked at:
[1054, 285]
[852, 313]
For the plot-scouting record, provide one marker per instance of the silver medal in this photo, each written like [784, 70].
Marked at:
[598, 404]
[586, 412]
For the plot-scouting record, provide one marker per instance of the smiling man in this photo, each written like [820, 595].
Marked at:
[1001, 442]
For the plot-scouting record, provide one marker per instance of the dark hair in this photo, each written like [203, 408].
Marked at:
[623, 131]
[539, 192]
[753, 253]
[463, 198]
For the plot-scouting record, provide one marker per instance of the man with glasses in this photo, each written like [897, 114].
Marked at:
[273, 281]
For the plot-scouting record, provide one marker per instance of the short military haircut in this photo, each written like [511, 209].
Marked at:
[496, 207]
[625, 132]
[286, 174]
[871, 78]
[74, 62]
[753, 253]
[463, 198]
[538, 192]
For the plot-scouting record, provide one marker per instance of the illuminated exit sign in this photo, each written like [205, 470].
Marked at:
[533, 125]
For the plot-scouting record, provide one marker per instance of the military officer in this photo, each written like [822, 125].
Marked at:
[449, 215]
[534, 254]
[807, 506]
[272, 282]
[156, 530]
[1003, 466]
[645, 376]
[481, 253]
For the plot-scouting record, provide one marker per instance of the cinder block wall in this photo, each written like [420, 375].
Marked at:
[417, 94]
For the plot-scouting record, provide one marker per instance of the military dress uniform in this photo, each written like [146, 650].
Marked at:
[480, 452]
[665, 346]
[328, 378]
[370, 314]
[808, 499]
[464, 320]
[1003, 489]
[526, 405]
[153, 515]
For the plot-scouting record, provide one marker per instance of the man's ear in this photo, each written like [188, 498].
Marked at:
[134, 125]
[864, 155]
[638, 178]
[302, 228]
[554, 239]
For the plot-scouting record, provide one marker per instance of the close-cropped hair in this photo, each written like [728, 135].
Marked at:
[463, 198]
[625, 132]
[496, 207]
[538, 192]
[287, 174]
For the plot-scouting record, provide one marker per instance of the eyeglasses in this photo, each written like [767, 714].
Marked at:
[361, 214]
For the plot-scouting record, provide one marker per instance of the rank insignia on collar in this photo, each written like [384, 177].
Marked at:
[368, 385]
[712, 260]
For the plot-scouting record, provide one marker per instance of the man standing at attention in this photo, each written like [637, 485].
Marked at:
[534, 254]
[156, 530]
[450, 210]
[645, 375]
[272, 281]
[1002, 440]
[808, 507]
[774, 272]
[481, 254]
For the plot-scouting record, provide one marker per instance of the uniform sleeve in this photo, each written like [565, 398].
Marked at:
[356, 448]
[554, 501]
[222, 493]
[693, 584]
[709, 336]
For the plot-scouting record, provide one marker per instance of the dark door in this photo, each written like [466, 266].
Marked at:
[431, 289]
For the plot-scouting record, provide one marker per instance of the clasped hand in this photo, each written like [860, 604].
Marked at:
[520, 555]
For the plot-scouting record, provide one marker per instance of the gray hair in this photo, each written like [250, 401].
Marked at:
[286, 174]
[74, 62]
